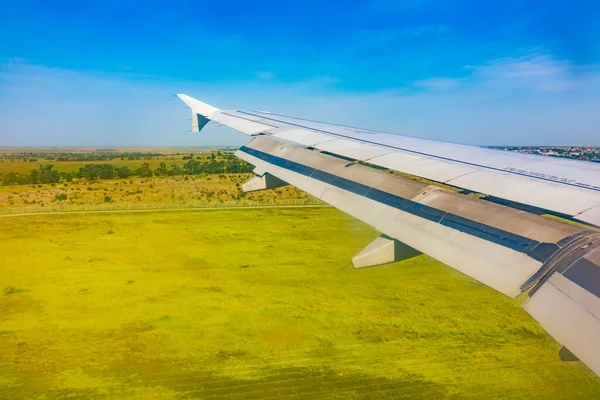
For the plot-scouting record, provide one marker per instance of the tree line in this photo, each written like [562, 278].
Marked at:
[48, 174]
[105, 155]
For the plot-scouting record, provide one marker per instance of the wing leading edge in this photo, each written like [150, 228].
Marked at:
[507, 249]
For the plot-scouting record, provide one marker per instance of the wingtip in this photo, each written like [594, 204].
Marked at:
[197, 106]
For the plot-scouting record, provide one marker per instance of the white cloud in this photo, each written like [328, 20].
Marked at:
[533, 73]
[537, 72]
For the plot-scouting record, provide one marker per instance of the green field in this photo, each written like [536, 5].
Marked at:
[253, 304]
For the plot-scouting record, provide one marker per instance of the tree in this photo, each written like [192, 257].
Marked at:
[175, 170]
[47, 174]
[66, 176]
[161, 169]
[106, 171]
[192, 167]
[14, 178]
[34, 176]
[88, 172]
[123, 172]
[144, 171]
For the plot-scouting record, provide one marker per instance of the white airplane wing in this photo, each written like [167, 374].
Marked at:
[567, 187]
[502, 243]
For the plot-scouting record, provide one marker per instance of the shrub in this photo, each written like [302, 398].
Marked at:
[12, 290]
[61, 196]
[107, 199]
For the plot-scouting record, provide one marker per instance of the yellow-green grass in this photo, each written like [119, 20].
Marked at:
[253, 304]
[178, 190]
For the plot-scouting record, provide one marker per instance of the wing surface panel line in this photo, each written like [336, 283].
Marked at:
[459, 176]
[584, 211]
[380, 155]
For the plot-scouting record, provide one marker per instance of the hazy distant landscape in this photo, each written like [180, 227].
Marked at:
[75, 178]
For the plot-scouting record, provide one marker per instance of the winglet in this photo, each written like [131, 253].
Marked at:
[200, 112]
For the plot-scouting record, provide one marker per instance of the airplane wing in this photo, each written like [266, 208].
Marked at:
[500, 240]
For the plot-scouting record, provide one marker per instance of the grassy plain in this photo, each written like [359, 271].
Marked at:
[253, 304]
[177, 190]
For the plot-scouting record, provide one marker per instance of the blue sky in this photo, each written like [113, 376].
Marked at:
[91, 73]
